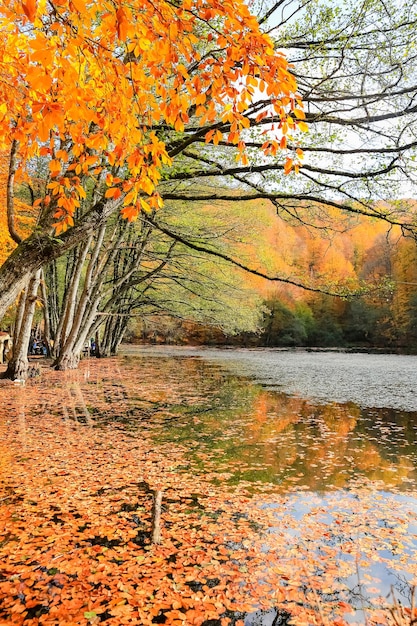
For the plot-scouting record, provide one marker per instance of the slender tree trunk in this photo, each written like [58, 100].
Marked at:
[40, 248]
[98, 344]
[107, 335]
[18, 366]
[120, 330]
[20, 314]
[52, 303]
[46, 318]
[70, 300]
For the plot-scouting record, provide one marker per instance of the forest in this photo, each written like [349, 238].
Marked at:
[367, 272]
[206, 203]
[375, 263]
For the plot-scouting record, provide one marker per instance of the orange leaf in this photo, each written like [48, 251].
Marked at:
[79, 5]
[122, 24]
[288, 166]
[30, 8]
[113, 192]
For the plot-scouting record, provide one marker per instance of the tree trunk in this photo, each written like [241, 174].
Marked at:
[107, 335]
[51, 287]
[20, 314]
[98, 345]
[88, 303]
[70, 298]
[118, 335]
[68, 361]
[39, 249]
[69, 355]
[46, 317]
[18, 366]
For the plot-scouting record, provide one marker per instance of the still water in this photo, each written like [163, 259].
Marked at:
[288, 418]
[311, 426]
[324, 441]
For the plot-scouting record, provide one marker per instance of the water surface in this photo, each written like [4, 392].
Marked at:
[325, 443]
[312, 425]
[310, 419]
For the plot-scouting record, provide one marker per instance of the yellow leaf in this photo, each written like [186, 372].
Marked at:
[145, 206]
[144, 44]
[299, 114]
[147, 185]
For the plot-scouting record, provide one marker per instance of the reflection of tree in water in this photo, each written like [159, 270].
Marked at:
[261, 435]
[230, 425]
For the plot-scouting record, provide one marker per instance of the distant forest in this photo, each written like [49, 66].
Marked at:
[376, 261]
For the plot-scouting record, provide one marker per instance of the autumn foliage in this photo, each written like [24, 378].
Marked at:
[94, 87]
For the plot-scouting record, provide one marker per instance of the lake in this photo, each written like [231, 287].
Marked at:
[316, 419]
[306, 424]
[321, 446]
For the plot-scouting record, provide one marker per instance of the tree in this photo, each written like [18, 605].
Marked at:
[215, 100]
[95, 90]
[355, 69]
[134, 268]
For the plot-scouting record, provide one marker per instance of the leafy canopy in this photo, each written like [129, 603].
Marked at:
[94, 86]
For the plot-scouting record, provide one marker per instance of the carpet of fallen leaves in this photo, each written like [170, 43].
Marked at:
[75, 531]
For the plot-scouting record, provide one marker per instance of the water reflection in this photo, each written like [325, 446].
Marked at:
[239, 430]
[369, 380]
[229, 424]
[236, 431]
